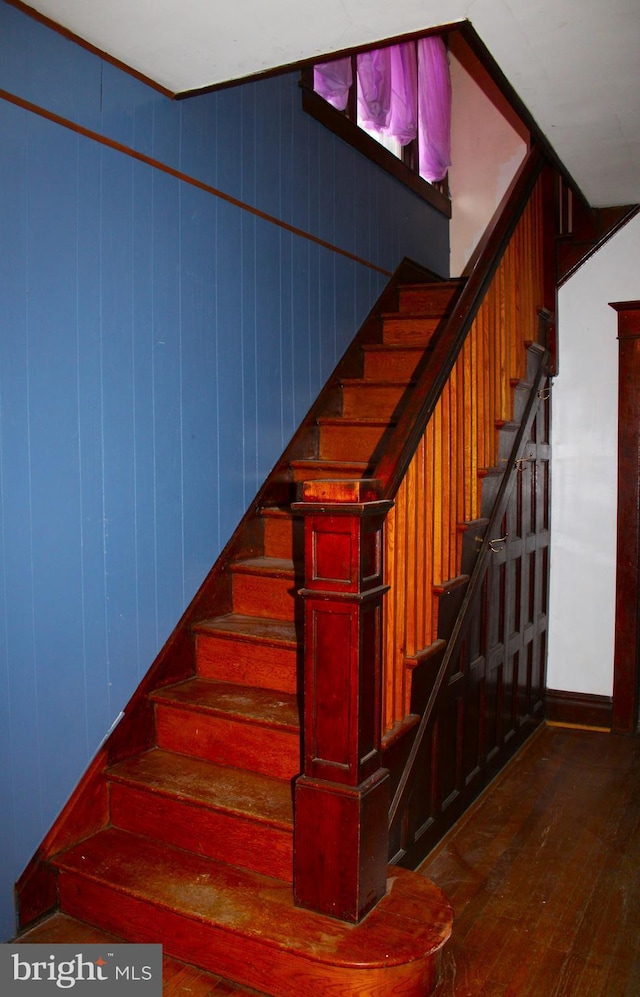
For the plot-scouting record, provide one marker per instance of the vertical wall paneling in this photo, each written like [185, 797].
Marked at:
[52, 414]
[21, 796]
[158, 347]
[143, 307]
[200, 414]
[117, 411]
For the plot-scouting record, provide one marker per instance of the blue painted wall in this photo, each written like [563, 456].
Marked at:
[158, 347]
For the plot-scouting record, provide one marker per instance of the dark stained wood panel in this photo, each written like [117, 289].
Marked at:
[626, 676]
[494, 692]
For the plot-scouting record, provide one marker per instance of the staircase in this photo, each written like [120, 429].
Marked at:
[195, 843]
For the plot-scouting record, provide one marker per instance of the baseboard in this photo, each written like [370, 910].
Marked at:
[579, 709]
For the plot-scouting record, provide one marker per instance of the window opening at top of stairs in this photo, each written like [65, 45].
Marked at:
[393, 104]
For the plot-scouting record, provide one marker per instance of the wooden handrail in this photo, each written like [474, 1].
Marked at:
[436, 366]
[473, 588]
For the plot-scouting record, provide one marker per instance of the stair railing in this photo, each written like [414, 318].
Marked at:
[436, 482]
[342, 798]
[473, 588]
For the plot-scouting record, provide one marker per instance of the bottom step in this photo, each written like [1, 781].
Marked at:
[244, 926]
[178, 978]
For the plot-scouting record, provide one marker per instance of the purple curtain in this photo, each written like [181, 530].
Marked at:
[332, 80]
[403, 91]
[403, 120]
[374, 88]
[434, 108]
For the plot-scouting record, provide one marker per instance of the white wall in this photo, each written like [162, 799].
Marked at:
[584, 468]
[486, 151]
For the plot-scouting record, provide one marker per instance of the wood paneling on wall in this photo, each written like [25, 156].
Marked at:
[158, 347]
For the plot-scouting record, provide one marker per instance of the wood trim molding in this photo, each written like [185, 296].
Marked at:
[626, 664]
[126, 150]
[578, 709]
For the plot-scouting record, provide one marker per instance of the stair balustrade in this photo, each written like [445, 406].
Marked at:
[441, 492]
[445, 460]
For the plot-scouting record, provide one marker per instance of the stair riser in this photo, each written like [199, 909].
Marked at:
[349, 443]
[228, 742]
[429, 300]
[369, 402]
[408, 331]
[245, 663]
[377, 363]
[506, 439]
[283, 537]
[248, 961]
[266, 596]
[225, 837]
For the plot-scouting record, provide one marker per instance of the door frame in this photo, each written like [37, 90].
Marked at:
[626, 668]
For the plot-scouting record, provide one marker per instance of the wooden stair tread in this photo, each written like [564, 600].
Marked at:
[342, 422]
[412, 920]
[278, 566]
[348, 468]
[278, 512]
[393, 347]
[436, 283]
[61, 928]
[251, 628]
[415, 315]
[193, 780]
[373, 383]
[434, 298]
[240, 702]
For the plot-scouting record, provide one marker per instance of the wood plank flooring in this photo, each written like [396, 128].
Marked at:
[544, 874]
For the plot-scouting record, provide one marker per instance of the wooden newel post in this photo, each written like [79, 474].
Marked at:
[342, 797]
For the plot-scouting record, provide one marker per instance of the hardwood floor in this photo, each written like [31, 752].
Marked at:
[544, 874]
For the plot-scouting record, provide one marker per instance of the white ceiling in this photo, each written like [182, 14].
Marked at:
[575, 64]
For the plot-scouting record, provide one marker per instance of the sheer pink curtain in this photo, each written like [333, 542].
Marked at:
[403, 120]
[374, 88]
[403, 91]
[332, 80]
[434, 108]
